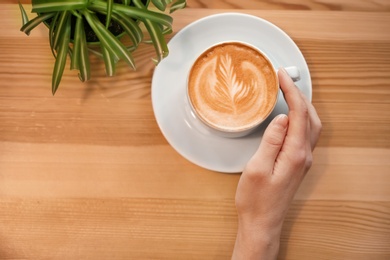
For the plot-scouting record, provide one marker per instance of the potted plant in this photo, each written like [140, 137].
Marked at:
[80, 27]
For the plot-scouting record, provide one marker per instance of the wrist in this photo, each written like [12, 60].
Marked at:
[256, 243]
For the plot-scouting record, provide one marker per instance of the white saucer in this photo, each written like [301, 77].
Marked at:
[172, 112]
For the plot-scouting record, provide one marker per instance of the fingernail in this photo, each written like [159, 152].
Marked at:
[282, 121]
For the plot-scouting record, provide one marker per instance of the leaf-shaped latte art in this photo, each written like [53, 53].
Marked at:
[231, 95]
[232, 87]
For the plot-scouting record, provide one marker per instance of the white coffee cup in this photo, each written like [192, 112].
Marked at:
[232, 88]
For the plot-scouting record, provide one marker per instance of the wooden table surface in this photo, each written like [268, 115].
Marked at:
[87, 174]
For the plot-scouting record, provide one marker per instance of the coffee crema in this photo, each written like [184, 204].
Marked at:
[232, 87]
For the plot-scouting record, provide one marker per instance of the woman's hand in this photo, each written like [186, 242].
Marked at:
[273, 175]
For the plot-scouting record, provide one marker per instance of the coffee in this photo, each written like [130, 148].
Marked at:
[232, 87]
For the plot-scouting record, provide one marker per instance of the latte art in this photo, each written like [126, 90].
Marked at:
[232, 87]
[230, 94]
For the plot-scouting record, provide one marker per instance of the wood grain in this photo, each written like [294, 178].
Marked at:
[87, 174]
[350, 84]
[37, 170]
[316, 5]
[182, 229]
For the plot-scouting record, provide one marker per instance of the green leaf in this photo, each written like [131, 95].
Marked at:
[126, 2]
[59, 27]
[179, 4]
[70, 52]
[156, 35]
[109, 12]
[60, 62]
[35, 22]
[74, 63]
[109, 61]
[134, 12]
[80, 57]
[51, 33]
[23, 13]
[108, 40]
[76, 13]
[95, 52]
[43, 6]
[84, 65]
[161, 5]
[158, 40]
[166, 30]
[131, 48]
[130, 27]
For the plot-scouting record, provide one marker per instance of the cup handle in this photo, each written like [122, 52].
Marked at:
[293, 72]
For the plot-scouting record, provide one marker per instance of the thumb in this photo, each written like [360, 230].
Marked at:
[272, 142]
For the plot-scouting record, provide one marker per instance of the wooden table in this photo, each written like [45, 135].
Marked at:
[87, 174]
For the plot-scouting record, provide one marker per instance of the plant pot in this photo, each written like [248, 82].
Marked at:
[79, 27]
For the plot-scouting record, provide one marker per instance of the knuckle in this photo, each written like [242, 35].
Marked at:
[309, 161]
[305, 110]
[319, 126]
[298, 158]
[316, 132]
[316, 122]
[254, 173]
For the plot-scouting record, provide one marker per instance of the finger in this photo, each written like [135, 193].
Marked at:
[271, 144]
[315, 123]
[298, 111]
